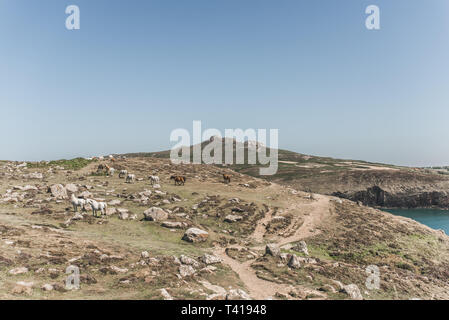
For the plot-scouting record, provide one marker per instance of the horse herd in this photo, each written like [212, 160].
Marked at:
[98, 206]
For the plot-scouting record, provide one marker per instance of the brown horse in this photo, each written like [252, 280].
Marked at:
[227, 178]
[179, 180]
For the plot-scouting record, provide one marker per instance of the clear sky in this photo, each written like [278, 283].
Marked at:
[138, 69]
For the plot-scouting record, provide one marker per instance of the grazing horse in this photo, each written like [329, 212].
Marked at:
[97, 206]
[179, 180]
[78, 202]
[154, 179]
[130, 178]
[227, 178]
[123, 173]
[103, 167]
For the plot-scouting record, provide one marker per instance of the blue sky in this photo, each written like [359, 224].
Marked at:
[136, 70]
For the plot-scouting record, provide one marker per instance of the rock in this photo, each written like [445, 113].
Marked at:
[123, 215]
[144, 255]
[234, 200]
[118, 270]
[47, 287]
[19, 270]
[77, 216]
[237, 294]
[156, 186]
[23, 288]
[293, 262]
[34, 175]
[166, 295]
[232, 218]
[210, 259]
[85, 195]
[114, 202]
[172, 224]
[186, 270]
[273, 250]
[301, 247]
[155, 214]
[353, 291]
[188, 261]
[58, 191]
[71, 188]
[195, 235]
[110, 211]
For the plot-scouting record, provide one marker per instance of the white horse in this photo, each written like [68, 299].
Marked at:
[123, 173]
[130, 178]
[154, 179]
[97, 206]
[77, 202]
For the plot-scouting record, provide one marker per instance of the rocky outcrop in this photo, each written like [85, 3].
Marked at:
[377, 197]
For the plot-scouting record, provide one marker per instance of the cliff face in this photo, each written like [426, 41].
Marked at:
[377, 197]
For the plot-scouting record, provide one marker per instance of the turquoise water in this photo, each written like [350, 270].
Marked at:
[436, 219]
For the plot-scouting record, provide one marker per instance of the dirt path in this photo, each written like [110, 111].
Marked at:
[263, 289]
[258, 288]
[320, 212]
[260, 229]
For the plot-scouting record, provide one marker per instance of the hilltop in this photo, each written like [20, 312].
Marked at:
[251, 239]
[373, 184]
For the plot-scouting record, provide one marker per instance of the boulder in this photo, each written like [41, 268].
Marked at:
[19, 270]
[155, 214]
[71, 188]
[186, 270]
[210, 259]
[293, 262]
[165, 294]
[188, 261]
[47, 287]
[172, 224]
[352, 291]
[123, 215]
[232, 218]
[114, 202]
[195, 235]
[272, 250]
[23, 287]
[301, 247]
[58, 191]
[237, 294]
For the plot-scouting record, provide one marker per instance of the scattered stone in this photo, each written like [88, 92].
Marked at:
[172, 224]
[301, 247]
[273, 250]
[19, 270]
[237, 294]
[155, 214]
[293, 262]
[233, 218]
[58, 191]
[186, 270]
[47, 287]
[165, 294]
[188, 261]
[353, 291]
[210, 259]
[71, 188]
[23, 287]
[195, 235]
